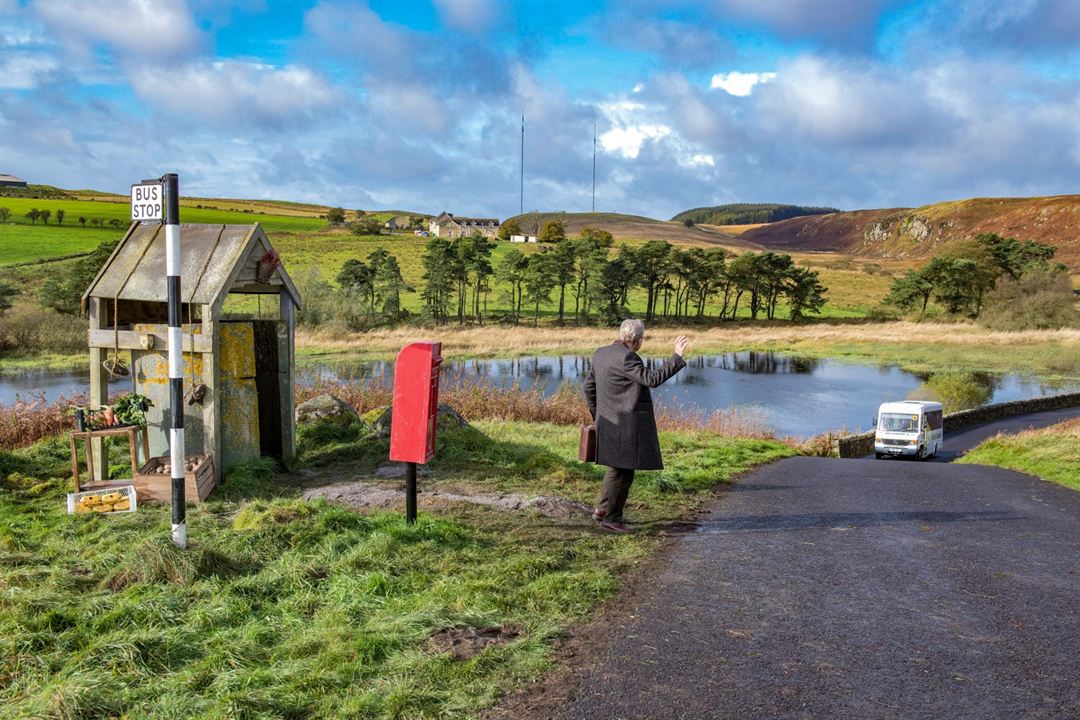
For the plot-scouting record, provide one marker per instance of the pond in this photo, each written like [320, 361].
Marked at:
[793, 396]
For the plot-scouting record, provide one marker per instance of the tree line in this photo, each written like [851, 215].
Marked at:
[960, 278]
[44, 215]
[582, 277]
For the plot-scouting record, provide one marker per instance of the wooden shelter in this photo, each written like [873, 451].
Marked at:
[245, 362]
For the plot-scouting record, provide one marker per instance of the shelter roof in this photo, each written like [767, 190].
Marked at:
[214, 261]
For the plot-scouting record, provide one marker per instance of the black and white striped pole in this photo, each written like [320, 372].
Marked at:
[176, 378]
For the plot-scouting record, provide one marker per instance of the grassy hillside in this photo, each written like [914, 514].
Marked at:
[747, 213]
[633, 227]
[924, 231]
[22, 241]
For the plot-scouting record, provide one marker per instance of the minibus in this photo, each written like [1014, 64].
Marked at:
[910, 427]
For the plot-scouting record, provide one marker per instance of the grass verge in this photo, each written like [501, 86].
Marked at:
[283, 607]
[1051, 453]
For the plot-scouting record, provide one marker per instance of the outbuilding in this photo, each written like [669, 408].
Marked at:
[11, 181]
[238, 313]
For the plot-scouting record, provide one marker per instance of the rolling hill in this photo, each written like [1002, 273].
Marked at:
[925, 231]
[633, 227]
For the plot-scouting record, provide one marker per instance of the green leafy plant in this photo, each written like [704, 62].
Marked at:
[131, 409]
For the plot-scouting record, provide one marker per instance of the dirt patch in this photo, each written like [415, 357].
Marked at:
[464, 643]
[370, 495]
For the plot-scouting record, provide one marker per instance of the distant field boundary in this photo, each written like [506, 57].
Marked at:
[43, 261]
[863, 444]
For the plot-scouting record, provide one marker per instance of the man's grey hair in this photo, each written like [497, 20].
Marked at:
[631, 331]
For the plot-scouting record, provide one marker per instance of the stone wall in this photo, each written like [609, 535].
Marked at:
[863, 443]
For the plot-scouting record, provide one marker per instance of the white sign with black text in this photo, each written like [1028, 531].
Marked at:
[148, 202]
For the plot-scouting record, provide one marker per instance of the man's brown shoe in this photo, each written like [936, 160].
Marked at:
[615, 527]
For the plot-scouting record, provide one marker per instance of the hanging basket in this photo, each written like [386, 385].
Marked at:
[266, 266]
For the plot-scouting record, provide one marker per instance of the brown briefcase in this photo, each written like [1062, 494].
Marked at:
[587, 446]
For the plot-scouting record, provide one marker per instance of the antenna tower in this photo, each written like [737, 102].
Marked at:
[594, 167]
[521, 210]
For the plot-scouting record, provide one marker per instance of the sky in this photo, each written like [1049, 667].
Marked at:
[418, 105]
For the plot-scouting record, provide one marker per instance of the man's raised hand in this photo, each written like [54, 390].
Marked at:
[681, 343]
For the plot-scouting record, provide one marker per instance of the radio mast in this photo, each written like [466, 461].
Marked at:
[521, 210]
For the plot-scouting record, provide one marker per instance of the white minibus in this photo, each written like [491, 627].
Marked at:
[911, 427]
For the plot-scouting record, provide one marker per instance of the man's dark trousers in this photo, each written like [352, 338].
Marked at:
[613, 493]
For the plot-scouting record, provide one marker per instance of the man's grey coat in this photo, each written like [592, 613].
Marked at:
[617, 389]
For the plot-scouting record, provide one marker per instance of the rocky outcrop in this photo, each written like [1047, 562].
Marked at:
[380, 419]
[925, 231]
[326, 408]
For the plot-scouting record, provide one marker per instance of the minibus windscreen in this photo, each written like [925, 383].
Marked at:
[896, 422]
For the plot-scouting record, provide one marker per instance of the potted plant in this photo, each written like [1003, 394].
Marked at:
[131, 409]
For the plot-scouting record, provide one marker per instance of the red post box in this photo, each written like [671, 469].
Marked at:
[416, 402]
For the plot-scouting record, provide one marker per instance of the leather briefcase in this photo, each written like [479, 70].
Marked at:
[587, 446]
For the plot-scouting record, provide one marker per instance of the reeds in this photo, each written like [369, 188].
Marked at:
[27, 421]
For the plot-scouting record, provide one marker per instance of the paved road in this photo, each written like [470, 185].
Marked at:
[959, 442]
[823, 588]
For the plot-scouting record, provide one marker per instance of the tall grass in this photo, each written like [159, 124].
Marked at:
[286, 608]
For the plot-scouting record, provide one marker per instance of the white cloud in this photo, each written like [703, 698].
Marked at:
[627, 141]
[19, 71]
[468, 15]
[236, 92]
[738, 83]
[145, 29]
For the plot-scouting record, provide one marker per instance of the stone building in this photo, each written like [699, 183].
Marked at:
[448, 226]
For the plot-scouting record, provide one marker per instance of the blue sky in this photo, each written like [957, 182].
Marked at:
[417, 105]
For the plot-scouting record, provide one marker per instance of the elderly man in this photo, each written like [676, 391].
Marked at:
[617, 389]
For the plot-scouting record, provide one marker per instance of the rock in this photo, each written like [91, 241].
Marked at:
[380, 420]
[390, 471]
[449, 414]
[326, 407]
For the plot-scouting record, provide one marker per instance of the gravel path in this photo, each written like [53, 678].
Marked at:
[823, 588]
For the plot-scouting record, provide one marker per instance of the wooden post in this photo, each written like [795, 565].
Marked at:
[99, 387]
[212, 401]
[286, 366]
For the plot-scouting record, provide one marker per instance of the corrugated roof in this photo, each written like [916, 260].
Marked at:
[214, 260]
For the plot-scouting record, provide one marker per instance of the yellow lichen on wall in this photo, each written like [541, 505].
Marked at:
[239, 398]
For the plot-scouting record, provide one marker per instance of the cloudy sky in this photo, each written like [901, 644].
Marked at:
[417, 104]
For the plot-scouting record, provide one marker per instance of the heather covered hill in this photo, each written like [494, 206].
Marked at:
[748, 213]
[925, 231]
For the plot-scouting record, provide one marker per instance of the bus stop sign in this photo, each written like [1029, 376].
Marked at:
[148, 202]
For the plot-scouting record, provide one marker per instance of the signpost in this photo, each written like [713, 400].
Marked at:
[159, 201]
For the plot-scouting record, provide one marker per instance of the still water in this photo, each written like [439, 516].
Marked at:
[792, 396]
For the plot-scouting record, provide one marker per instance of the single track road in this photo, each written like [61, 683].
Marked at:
[834, 589]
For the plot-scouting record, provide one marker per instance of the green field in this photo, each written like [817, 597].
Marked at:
[22, 241]
[284, 607]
